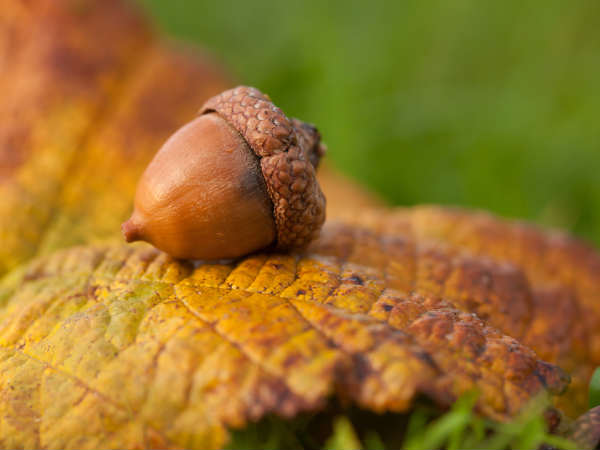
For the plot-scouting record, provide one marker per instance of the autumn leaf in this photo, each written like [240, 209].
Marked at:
[552, 298]
[111, 345]
[172, 355]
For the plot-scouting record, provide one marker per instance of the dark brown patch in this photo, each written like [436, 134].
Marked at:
[360, 368]
[552, 377]
[35, 274]
[356, 279]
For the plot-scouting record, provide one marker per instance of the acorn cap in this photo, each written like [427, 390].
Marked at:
[289, 151]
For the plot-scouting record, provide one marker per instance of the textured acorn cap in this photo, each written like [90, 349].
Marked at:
[289, 151]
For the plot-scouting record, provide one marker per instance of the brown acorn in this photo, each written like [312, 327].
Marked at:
[238, 178]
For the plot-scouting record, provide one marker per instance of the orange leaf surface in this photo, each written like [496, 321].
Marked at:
[104, 344]
[171, 355]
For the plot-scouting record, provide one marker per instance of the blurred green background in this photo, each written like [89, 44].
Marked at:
[491, 105]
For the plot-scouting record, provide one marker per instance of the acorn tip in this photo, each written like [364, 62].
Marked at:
[131, 231]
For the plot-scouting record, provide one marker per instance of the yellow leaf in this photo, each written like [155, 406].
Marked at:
[105, 344]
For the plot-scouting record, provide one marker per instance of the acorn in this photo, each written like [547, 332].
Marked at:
[238, 178]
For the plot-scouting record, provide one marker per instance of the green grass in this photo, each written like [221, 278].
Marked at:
[492, 105]
[459, 428]
[594, 394]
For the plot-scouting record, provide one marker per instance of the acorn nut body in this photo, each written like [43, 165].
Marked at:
[238, 178]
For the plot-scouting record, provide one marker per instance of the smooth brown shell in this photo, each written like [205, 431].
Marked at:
[203, 195]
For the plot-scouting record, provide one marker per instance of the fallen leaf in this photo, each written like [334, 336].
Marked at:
[558, 276]
[121, 346]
